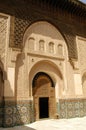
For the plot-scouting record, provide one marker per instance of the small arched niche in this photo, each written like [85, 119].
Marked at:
[42, 36]
[60, 49]
[51, 47]
[41, 45]
[31, 43]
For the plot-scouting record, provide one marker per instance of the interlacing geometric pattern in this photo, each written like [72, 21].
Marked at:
[18, 114]
[20, 27]
[70, 108]
[21, 24]
[3, 32]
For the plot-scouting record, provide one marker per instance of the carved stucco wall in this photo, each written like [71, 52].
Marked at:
[67, 30]
[22, 89]
[18, 28]
[3, 36]
[3, 48]
[81, 43]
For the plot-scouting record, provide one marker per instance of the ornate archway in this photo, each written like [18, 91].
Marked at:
[44, 96]
[45, 56]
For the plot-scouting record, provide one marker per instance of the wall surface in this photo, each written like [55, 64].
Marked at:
[42, 41]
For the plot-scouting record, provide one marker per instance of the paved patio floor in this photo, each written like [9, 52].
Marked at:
[54, 124]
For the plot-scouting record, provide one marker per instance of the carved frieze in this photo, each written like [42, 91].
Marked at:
[22, 24]
[3, 36]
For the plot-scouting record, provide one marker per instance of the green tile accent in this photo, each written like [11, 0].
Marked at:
[70, 108]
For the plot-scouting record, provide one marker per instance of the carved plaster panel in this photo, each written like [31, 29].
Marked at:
[3, 32]
[4, 36]
[36, 46]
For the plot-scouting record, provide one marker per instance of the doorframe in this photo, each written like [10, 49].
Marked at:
[51, 97]
[47, 114]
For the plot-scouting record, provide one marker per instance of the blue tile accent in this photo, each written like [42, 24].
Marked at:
[18, 114]
[70, 108]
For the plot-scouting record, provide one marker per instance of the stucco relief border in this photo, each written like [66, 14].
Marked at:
[4, 56]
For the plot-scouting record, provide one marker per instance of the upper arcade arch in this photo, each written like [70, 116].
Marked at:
[38, 25]
[45, 32]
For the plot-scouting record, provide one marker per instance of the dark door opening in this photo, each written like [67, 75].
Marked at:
[43, 107]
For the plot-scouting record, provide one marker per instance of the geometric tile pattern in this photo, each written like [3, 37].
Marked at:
[70, 108]
[1, 114]
[20, 26]
[22, 112]
[18, 114]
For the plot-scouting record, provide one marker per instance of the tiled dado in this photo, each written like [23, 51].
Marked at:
[22, 112]
[1, 113]
[70, 108]
[18, 113]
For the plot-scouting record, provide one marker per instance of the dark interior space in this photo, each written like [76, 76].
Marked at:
[43, 107]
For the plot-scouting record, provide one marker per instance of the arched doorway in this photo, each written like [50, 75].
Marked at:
[44, 96]
[45, 62]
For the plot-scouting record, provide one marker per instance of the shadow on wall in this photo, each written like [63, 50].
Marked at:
[12, 113]
[2, 101]
[5, 87]
[22, 110]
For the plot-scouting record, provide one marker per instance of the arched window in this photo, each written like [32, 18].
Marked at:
[51, 47]
[41, 45]
[60, 49]
[31, 43]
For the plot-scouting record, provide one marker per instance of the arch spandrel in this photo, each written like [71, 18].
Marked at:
[46, 66]
[42, 28]
[50, 37]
